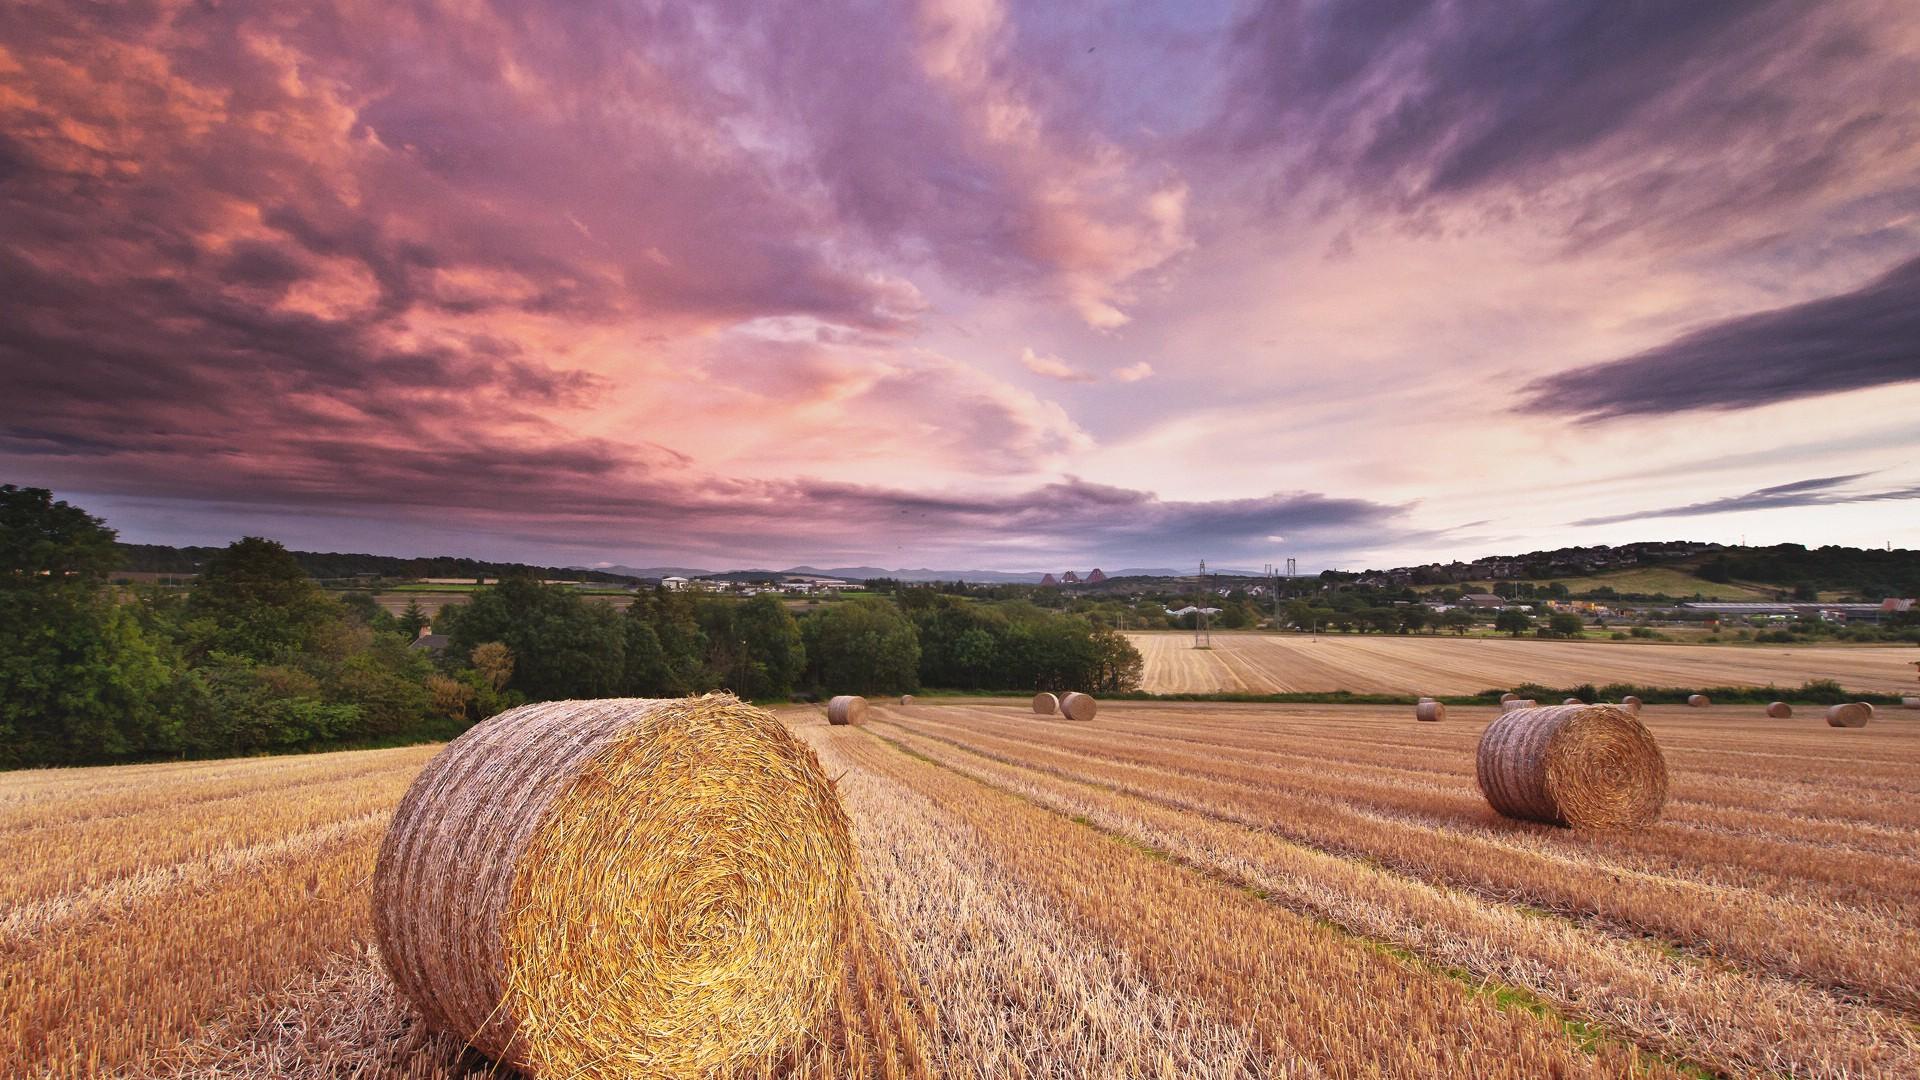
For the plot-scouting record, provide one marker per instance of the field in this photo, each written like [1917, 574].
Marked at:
[1655, 580]
[1396, 664]
[1188, 890]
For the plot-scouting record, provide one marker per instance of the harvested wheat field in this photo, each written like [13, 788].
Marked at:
[1172, 890]
[1394, 664]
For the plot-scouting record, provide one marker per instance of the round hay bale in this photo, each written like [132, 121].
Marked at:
[906, 699]
[1852, 714]
[1583, 766]
[1631, 704]
[619, 887]
[1910, 702]
[1699, 701]
[847, 709]
[1045, 704]
[1430, 711]
[1509, 696]
[1518, 703]
[1423, 697]
[1573, 701]
[1779, 710]
[1075, 706]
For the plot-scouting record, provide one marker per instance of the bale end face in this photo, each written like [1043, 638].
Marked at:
[702, 843]
[1075, 706]
[1780, 710]
[1582, 766]
[1852, 714]
[1430, 711]
[847, 709]
[1045, 704]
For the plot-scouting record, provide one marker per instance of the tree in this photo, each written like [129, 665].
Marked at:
[774, 656]
[1564, 624]
[1513, 621]
[79, 678]
[862, 646]
[1459, 620]
[563, 646]
[253, 600]
[413, 620]
[1413, 618]
[494, 663]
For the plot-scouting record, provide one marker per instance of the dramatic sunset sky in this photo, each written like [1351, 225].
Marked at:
[964, 284]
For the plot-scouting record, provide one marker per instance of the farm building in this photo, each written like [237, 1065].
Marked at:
[1483, 600]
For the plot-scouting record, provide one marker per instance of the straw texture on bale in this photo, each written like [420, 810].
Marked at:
[1509, 696]
[1852, 714]
[847, 709]
[1779, 710]
[1076, 706]
[1045, 704]
[1512, 704]
[1430, 711]
[1584, 766]
[619, 887]
[1699, 701]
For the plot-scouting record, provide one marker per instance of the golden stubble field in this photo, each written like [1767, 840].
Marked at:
[1420, 664]
[1187, 890]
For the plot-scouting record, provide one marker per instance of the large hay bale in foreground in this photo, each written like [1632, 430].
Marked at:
[847, 709]
[619, 887]
[1584, 766]
[1075, 706]
[1512, 704]
[1430, 710]
[1852, 714]
[1045, 704]
[1699, 701]
[1779, 710]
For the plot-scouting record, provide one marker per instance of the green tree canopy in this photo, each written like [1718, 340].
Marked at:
[862, 646]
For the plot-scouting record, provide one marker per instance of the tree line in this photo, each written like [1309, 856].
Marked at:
[255, 657]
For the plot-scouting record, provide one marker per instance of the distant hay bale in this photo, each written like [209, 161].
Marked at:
[1424, 697]
[1779, 710]
[1573, 701]
[1699, 701]
[1075, 706]
[906, 699]
[1910, 702]
[1518, 703]
[1852, 714]
[847, 709]
[1045, 704]
[1583, 766]
[1509, 696]
[619, 887]
[1430, 710]
[1631, 703]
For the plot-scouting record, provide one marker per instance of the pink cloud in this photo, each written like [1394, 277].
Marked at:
[1133, 372]
[1052, 367]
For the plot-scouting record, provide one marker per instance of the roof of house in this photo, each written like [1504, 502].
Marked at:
[435, 642]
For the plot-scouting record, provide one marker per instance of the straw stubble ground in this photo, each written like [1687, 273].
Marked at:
[1186, 890]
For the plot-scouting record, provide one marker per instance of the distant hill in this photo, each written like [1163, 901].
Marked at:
[166, 559]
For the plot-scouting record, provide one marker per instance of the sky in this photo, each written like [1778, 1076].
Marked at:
[962, 283]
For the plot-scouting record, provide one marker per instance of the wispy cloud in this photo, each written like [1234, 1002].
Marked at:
[1133, 372]
[1052, 367]
[1867, 337]
[1820, 491]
